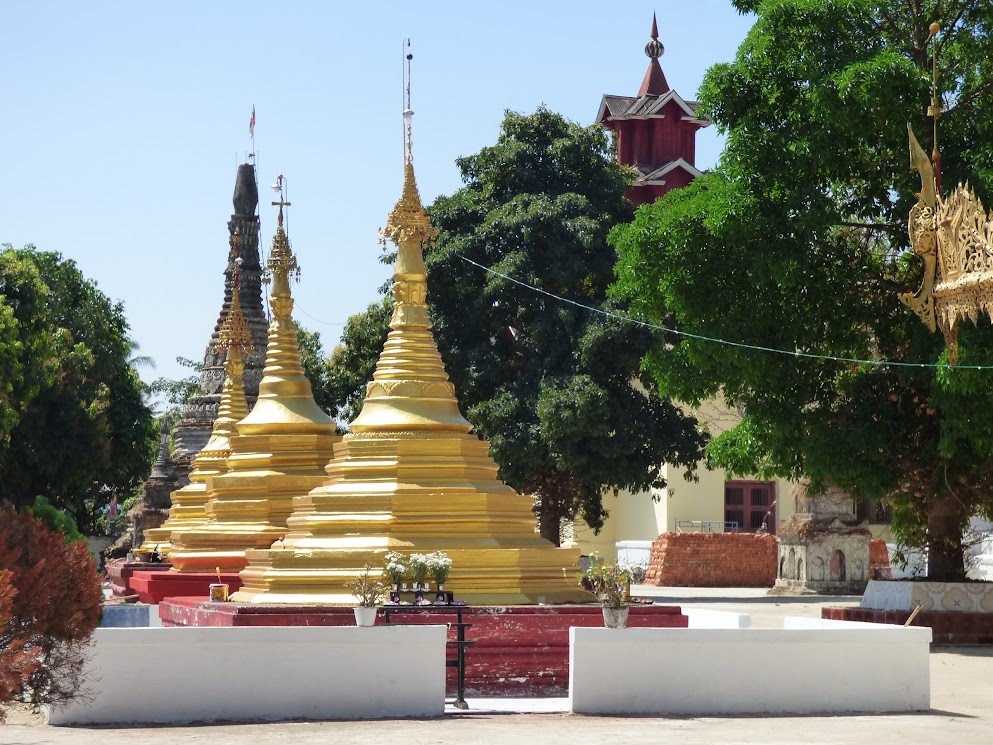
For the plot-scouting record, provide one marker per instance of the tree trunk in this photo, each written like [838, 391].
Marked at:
[550, 520]
[945, 554]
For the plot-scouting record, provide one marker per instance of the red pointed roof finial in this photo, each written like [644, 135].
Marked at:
[654, 82]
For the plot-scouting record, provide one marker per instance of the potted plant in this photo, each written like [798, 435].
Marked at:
[439, 566]
[369, 591]
[396, 569]
[610, 583]
[419, 570]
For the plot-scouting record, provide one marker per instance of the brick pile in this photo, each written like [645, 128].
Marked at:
[879, 560]
[713, 560]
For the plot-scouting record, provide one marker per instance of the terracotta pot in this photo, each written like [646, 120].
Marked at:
[616, 618]
[365, 615]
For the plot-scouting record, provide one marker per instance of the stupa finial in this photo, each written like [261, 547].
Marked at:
[281, 264]
[234, 333]
[654, 48]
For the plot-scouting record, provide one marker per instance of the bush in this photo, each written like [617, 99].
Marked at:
[52, 612]
[54, 519]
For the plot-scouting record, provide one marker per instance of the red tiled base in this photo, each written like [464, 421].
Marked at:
[946, 627]
[154, 587]
[121, 572]
[519, 650]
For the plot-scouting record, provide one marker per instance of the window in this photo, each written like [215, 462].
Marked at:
[749, 504]
[873, 510]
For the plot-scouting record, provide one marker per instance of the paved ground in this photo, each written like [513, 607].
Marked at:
[961, 700]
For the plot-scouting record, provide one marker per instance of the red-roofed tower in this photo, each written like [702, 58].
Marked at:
[656, 131]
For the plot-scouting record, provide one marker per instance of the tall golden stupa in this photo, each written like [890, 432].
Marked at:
[410, 478]
[189, 503]
[279, 452]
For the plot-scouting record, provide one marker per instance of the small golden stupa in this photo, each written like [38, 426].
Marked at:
[279, 452]
[410, 478]
[188, 504]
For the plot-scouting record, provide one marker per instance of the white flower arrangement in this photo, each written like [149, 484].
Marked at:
[439, 566]
[419, 567]
[395, 567]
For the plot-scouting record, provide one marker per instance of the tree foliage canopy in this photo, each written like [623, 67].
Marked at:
[797, 242]
[75, 428]
[549, 384]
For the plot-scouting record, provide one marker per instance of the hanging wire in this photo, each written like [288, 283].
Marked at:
[725, 342]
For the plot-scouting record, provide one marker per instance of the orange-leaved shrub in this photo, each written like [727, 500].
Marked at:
[53, 609]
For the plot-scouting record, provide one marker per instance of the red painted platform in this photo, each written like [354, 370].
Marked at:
[946, 627]
[519, 650]
[154, 587]
[121, 572]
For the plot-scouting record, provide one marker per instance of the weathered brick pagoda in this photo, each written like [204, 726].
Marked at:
[194, 429]
[656, 131]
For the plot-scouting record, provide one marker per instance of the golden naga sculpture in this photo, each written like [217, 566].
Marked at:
[954, 238]
[280, 450]
[188, 504]
[410, 477]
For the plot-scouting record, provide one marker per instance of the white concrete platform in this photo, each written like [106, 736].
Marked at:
[178, 675]
[807, 667]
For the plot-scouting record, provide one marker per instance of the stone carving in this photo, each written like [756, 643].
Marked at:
[824, 536]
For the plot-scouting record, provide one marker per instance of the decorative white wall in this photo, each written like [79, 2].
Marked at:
[188, 674]
[828, 669]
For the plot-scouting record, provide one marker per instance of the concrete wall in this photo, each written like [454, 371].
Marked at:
[173, 675]
[701, 618]
[829, 669]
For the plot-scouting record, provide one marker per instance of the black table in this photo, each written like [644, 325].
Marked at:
[460, 644]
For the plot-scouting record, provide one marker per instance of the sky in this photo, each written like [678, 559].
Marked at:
[125, 122]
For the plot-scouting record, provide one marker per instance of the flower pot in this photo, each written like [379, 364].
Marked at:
[616, 618]
[365, 615]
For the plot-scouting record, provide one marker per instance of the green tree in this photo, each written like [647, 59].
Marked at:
[555, 388]
[353, 361]
[83, 433]
[797, 242]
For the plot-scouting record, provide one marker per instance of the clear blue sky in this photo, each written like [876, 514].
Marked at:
[124, 123]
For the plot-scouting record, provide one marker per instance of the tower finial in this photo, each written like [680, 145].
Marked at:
[654, 48]
[408, 113]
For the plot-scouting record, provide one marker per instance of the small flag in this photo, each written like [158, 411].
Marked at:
[251, 125]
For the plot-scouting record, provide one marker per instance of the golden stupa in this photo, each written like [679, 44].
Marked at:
[188, 504]
[410, 478]
[279, 452]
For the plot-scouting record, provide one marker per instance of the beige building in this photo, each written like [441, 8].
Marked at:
[712, 502]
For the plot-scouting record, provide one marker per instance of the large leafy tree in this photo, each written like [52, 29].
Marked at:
[797, 242]
[78, 432]
[554, 387]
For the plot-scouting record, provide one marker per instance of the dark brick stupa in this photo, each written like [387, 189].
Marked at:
[194, 429]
